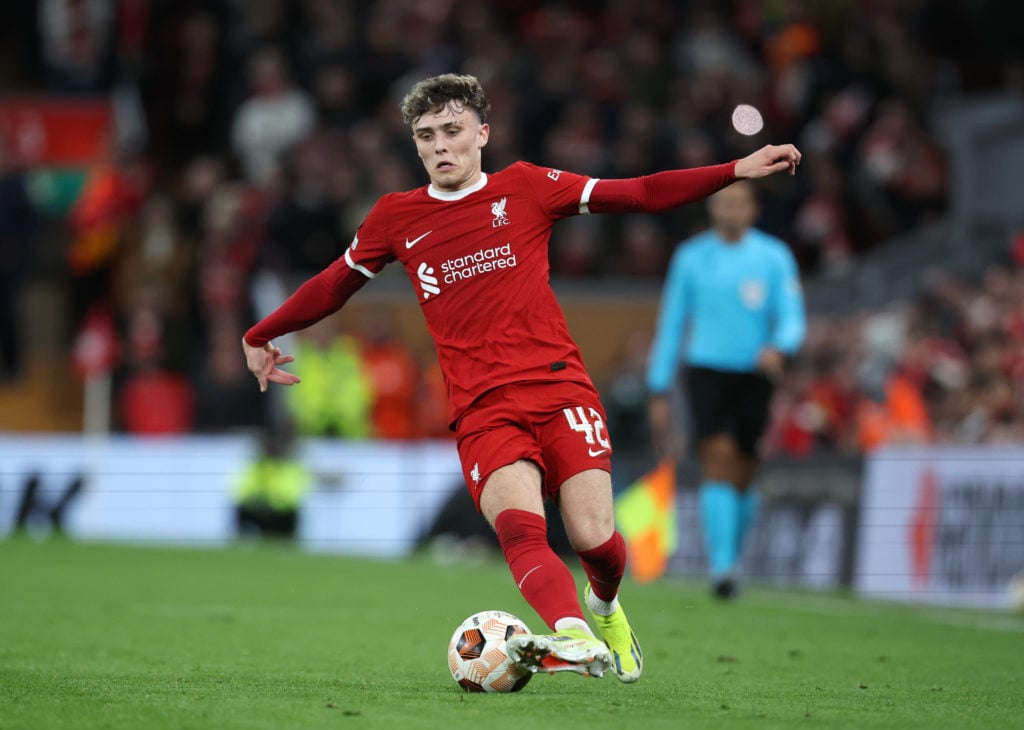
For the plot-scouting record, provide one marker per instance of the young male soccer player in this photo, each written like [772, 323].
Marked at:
[731, 311]
[528, 421]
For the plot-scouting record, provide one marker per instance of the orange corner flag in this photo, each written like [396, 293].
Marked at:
[646, 514]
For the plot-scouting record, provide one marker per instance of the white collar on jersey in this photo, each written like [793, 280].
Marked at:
[457, 194]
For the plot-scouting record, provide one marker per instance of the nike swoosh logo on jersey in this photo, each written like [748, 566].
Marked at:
[413, 242]
[596, 453]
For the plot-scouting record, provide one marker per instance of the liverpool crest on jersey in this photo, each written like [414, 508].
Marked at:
[498, 211]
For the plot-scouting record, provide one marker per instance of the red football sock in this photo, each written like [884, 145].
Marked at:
[604, 566]
[544, 580]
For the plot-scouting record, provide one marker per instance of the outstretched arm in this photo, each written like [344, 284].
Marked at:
[318, 297]
[672, 188]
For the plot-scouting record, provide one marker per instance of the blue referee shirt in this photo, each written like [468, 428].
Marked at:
[723, 302]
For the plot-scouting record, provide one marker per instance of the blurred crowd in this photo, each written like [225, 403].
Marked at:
[265, 129]
[946, 367]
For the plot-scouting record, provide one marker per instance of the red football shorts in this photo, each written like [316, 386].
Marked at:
[558, 425]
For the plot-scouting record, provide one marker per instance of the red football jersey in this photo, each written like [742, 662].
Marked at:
[478, 259]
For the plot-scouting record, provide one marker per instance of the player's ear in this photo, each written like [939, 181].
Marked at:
[483, 135]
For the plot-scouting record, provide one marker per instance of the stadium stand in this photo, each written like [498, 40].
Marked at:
[908, 114]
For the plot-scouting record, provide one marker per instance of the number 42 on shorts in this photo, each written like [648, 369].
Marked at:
[591, 426]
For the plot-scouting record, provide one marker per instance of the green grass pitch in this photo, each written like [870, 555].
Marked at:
[101, 636]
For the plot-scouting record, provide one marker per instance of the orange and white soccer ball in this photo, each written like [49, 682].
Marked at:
[477, 657]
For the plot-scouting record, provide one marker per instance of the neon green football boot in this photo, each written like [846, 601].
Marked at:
[627, 659]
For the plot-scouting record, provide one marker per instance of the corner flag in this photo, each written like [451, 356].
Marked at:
[646, 514]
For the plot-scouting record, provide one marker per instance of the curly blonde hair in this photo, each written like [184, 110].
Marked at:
[460, 91]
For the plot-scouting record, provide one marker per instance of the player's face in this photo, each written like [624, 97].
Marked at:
[733, 210]
[449, 141]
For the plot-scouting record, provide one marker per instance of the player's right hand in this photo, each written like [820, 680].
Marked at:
[667, 439]
[264, 362]
[768, 160]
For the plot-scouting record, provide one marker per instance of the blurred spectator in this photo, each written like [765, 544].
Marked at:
[224, 398]
[113, 195]
[336, 397]
[18, 224]
[77, 43]
[796, 418]
[902, 171]
[275, 116]
[643, 250]
[892, 408]
[269, 491]
[304, 223]
[187, 93]
[432, 399]
[153, 400]
[258, 24]
[333, 92]
[196, 184]
[152, 395]
[897, 415]
[573, 249]
[132, 26]
[327, 52]
[821, 239]
[233, 236]
[394, 378]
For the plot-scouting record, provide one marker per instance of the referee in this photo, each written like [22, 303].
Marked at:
[731, 311]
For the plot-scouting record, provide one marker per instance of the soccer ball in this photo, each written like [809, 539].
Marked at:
[477, 657]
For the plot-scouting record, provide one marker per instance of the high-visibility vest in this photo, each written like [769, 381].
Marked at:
[278, 483]
[335, 396]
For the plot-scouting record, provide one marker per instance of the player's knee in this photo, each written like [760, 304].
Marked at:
[719, 456]
[587, 532]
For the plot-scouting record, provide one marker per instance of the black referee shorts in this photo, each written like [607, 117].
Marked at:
[723, 402]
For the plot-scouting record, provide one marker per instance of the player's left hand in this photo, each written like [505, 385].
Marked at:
[264, 362]
[771, 361]
[768, 160]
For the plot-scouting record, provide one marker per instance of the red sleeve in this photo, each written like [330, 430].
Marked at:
[556, 191]
[660, 191]
[318, 297]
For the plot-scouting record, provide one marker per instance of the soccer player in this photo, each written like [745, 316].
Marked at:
[731, 311]
[528, 421]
